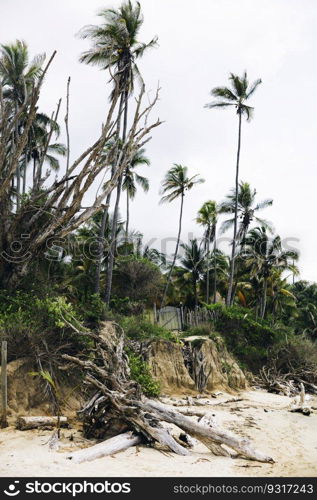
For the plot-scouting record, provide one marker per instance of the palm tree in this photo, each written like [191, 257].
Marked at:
[208, 218]
[247, 209]
[265, 257]
[18, 76]
[38, 151]
[192, 265]
[116, 47]
[131, 179]
[236, 96]
[175, 184]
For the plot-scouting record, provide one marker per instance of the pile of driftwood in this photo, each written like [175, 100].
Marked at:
[288, 384]
[119, 414]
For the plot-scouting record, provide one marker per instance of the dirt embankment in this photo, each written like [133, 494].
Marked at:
[198, 363]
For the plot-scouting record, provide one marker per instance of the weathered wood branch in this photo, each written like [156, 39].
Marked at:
[26, 423]
[109, 447]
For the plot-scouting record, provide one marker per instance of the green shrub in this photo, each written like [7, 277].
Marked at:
[140, 373]
[41, 326]
[245, 336]
[137, 328]
[94, 310]
[127, 307]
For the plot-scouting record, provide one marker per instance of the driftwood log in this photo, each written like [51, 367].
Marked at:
[118, 405]
[109, 447]
[26, 423]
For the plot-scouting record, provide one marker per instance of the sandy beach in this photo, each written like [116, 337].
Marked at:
[290, 438]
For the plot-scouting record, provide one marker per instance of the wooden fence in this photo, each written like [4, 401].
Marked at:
[182, 318]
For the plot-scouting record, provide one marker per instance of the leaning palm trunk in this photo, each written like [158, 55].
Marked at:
[230, 295]
[176, 251]
[113, 244]
[101, 244]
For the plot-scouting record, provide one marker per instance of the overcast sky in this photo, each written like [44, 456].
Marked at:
[200, 43]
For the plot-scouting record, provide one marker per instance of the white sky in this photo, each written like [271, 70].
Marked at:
[199, 44]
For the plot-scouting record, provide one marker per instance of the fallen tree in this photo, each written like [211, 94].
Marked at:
[118, 406]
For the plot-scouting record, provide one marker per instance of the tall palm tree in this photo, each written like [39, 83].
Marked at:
[265, 257]
[175, 185]
[131, 179]
[208, 218]
[116, 46]
[237, 96]
[247, 210]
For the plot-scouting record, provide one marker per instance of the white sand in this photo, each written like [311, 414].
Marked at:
[290, 438]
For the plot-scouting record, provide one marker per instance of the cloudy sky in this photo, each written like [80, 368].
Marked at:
[199, 44]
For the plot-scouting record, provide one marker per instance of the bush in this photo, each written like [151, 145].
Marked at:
[126, 307]
[246, 337]
[198, 330]
[137, 328]
[94, 310]
[140, 373]
[37, 326]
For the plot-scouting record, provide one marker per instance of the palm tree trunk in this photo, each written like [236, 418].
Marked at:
[208, 270]
[113, 244]
[195, 292]
[128, 220]
[176, 251]
[105, 213]
[230, 295]
[101, 245]
[215, 269]
[264, 298]
[18, 172]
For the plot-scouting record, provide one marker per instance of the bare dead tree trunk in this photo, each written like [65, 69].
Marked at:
[67, 129]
